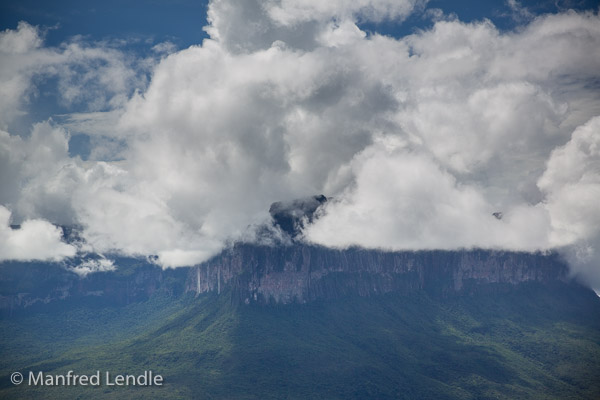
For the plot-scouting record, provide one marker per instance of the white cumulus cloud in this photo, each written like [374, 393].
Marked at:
[35, 239]
[419, 139]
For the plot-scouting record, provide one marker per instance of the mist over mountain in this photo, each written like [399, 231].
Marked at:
[419, 134]
[285, 318]
[282, 268]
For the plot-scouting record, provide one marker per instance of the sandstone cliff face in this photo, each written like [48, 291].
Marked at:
[282, 274]
[302, 273]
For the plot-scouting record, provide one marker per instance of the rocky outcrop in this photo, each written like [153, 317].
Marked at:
[291, 216]
[302, 273]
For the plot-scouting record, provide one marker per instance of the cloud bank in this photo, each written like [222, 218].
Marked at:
[419, 140]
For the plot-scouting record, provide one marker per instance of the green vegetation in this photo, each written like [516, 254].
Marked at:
[531, 342]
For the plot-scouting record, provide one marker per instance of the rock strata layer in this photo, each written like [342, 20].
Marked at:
[302, 273]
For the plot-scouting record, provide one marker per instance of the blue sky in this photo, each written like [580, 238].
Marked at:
[181, 21]
[178, 21]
